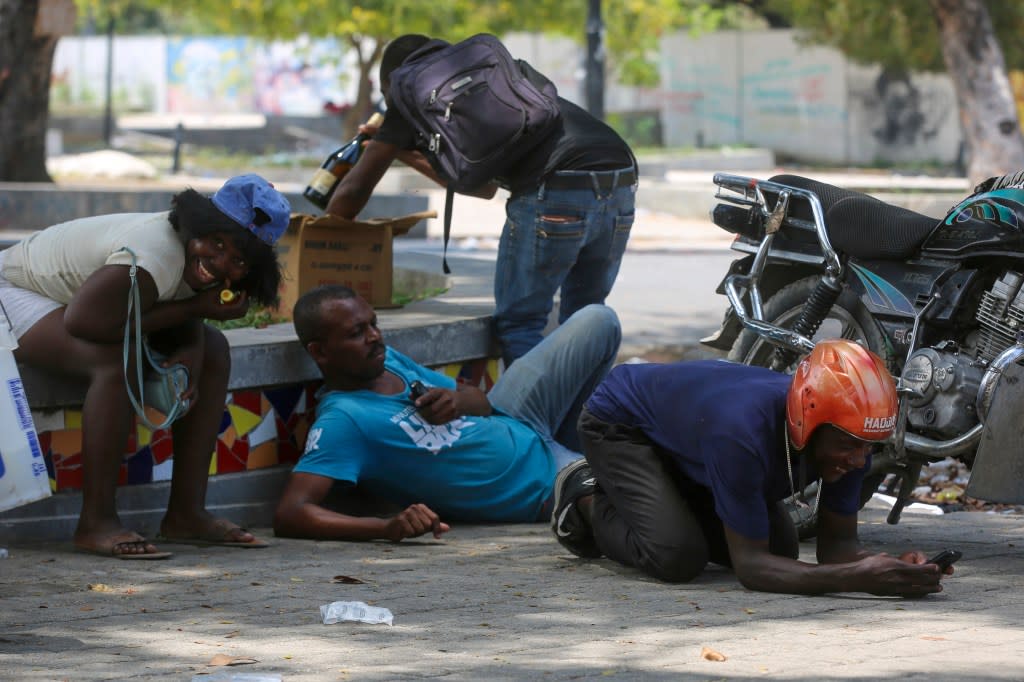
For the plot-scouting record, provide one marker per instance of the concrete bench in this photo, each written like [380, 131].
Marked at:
[268, 368]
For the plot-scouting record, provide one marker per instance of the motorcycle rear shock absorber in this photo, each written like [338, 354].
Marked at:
[813, 314]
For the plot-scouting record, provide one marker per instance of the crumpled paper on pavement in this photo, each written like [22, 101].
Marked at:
[357, 611]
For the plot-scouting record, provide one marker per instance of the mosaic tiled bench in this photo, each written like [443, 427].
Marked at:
[259, 428]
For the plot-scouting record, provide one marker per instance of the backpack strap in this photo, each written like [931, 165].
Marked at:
[449, 196]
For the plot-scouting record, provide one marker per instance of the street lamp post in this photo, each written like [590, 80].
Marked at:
[595, 60]
[108, 108]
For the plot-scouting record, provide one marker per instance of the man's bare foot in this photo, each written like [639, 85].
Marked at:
[207, 529]
[120, 543]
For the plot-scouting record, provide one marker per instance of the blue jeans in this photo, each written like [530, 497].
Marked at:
[571, 239]
[546, 388]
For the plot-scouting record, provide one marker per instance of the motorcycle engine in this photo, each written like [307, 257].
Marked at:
[946, 378]
[1000, 316]
[946, 383]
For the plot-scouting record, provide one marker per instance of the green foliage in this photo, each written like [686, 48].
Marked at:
[641, 129]
[351, 21]
[895, 33]
[257, 317]
[137, 17]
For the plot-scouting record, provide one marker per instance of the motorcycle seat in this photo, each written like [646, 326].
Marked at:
[864, 227]
[828, 194]
[860, 225]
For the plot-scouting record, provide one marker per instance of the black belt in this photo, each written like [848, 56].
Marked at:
[606, 180]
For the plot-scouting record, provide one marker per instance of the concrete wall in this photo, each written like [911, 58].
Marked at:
[761, 88]
[222, 74]
[758, 88]
[901, 117]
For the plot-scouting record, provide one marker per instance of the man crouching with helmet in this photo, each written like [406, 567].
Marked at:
[688, 463]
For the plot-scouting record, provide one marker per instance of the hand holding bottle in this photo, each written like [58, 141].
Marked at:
[330, 173]
[372, 125]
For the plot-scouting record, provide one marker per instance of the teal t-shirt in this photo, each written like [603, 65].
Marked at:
[492, 468]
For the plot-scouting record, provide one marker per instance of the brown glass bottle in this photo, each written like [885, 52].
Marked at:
[334, 168]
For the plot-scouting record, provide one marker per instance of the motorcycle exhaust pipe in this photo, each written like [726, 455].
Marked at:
[940, 449]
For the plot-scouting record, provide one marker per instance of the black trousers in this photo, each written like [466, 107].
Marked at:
[648, 515]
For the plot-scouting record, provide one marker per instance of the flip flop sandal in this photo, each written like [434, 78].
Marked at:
[255, 543]
[109, 553]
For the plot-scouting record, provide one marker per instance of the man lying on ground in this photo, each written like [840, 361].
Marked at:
[451, 454]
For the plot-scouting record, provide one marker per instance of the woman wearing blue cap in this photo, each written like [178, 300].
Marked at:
[65, 289]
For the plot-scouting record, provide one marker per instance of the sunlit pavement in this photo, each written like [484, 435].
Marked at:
[503, 602]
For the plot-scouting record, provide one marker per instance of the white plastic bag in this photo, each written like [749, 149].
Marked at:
[23, 476]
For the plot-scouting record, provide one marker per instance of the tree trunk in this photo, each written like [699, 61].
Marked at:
[988, 113]
[29, 30]
[362, 107]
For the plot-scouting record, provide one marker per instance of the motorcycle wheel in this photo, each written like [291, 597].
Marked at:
[847, 319]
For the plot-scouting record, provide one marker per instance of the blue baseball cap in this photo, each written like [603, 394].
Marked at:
[243, 195]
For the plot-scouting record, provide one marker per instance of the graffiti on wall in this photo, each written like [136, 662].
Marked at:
[239, 75]
[208, 75]
[792, 89]
[723, 88]
[302, 78]
[902, 113]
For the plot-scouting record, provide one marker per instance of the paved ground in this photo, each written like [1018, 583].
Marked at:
[502, 602]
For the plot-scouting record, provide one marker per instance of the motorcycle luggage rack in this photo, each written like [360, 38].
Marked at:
[751, 192]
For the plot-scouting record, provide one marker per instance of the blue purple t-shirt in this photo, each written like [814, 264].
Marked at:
[724, 425]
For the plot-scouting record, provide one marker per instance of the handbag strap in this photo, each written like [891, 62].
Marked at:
[141, 350]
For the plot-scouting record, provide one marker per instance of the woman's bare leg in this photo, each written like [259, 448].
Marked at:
[106, 419]
[195, 438]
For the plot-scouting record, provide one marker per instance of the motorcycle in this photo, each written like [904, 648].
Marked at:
[940, 301]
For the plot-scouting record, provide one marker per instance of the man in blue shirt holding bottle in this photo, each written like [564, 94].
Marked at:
[452, 453]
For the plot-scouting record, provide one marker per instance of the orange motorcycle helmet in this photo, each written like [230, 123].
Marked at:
[843, 384]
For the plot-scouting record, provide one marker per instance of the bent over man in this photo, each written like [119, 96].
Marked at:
[569, 213]
[688, 463]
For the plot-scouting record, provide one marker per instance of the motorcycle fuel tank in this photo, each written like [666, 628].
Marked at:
[988, 221]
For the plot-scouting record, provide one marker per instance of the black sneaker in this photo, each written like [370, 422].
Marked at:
[569, 525]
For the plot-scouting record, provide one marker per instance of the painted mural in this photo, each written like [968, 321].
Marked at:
[259, 428]
[757, 88]
[209, 75]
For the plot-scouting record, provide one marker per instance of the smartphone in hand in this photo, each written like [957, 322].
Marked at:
[945, 558]
[417, 390]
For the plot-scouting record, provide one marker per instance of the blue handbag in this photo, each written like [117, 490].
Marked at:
[159, 387]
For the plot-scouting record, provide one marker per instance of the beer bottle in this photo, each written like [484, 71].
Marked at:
[330, 173]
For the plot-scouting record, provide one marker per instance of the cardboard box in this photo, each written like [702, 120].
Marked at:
[327, 249]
